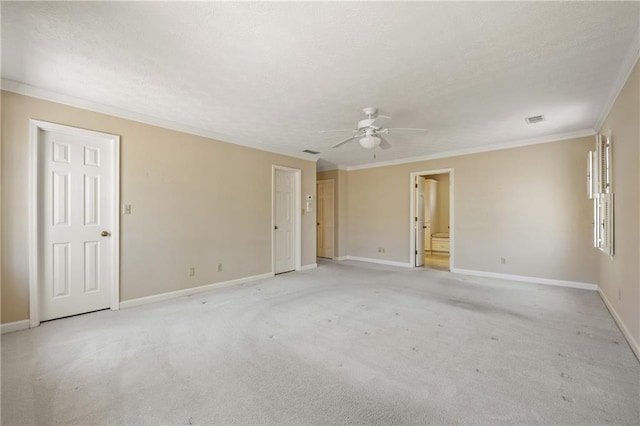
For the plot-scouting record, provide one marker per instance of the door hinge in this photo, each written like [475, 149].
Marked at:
[416, 252]
[416, 185]
[416, 218]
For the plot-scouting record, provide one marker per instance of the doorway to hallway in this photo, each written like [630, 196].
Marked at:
[325, 190]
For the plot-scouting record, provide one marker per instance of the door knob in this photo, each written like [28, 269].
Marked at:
[104, 234]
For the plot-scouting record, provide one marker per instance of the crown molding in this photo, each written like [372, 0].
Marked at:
[477, 150]
[48, 95]
[628, 64]
[328, 168]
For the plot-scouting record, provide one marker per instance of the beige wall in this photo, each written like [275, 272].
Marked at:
[442, 202]
[340, 205]
[622, 274]
[525, 204]
[195, 202]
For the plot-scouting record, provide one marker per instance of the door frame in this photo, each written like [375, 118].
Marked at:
[412, 210]
[297, 217]
[35, 126]
[333, 214]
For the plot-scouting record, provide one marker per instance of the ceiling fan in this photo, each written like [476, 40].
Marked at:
[371, 133]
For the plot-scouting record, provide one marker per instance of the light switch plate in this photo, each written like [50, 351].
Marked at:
[126, 209]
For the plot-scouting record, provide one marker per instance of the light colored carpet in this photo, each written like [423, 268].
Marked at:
[346, 343]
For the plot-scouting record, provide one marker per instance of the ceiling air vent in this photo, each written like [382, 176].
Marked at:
[309, 151]
[535, 119]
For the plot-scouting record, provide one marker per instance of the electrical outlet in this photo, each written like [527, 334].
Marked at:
[126, 209]
[379, 249]
[503, 261]
[219, 267]
[192, 271]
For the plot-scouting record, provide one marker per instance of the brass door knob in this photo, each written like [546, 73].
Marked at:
[105, 234]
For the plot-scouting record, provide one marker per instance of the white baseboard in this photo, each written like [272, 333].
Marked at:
[379, 261]
[524, 278]
[632, 342]
[189, 291]
[341, 258]
[309, 266]
[14, 326]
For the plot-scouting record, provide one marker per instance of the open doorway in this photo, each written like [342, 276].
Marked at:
[432, 219]
[325, 238]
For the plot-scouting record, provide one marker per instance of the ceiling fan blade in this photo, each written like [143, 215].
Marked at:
[384, 144]
[340, 130]
[407, 129]
[347, 140]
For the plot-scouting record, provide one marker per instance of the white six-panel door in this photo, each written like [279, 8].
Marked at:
[284, 223]
[74, 222]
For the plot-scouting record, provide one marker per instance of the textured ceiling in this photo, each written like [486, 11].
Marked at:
[271, 75]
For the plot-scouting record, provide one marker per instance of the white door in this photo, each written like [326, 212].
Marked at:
[430, 193]
[284, 228]
[325, 235]
[431, 203]
[419, 222]
[75, 220]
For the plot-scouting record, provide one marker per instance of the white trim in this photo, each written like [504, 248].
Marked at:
[309, 266]
[557, 137]
[628, 64]
[341, 258]
[34, 313]
[189, 291]
[115, 235]
[297, 215]
[47, 95]
[35, 126]
[627, 335]
[14, 326]
[527, 279]
[412, 208]
[379, 261]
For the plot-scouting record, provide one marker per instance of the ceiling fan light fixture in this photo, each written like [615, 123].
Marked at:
[370, 142]
[367, 131]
